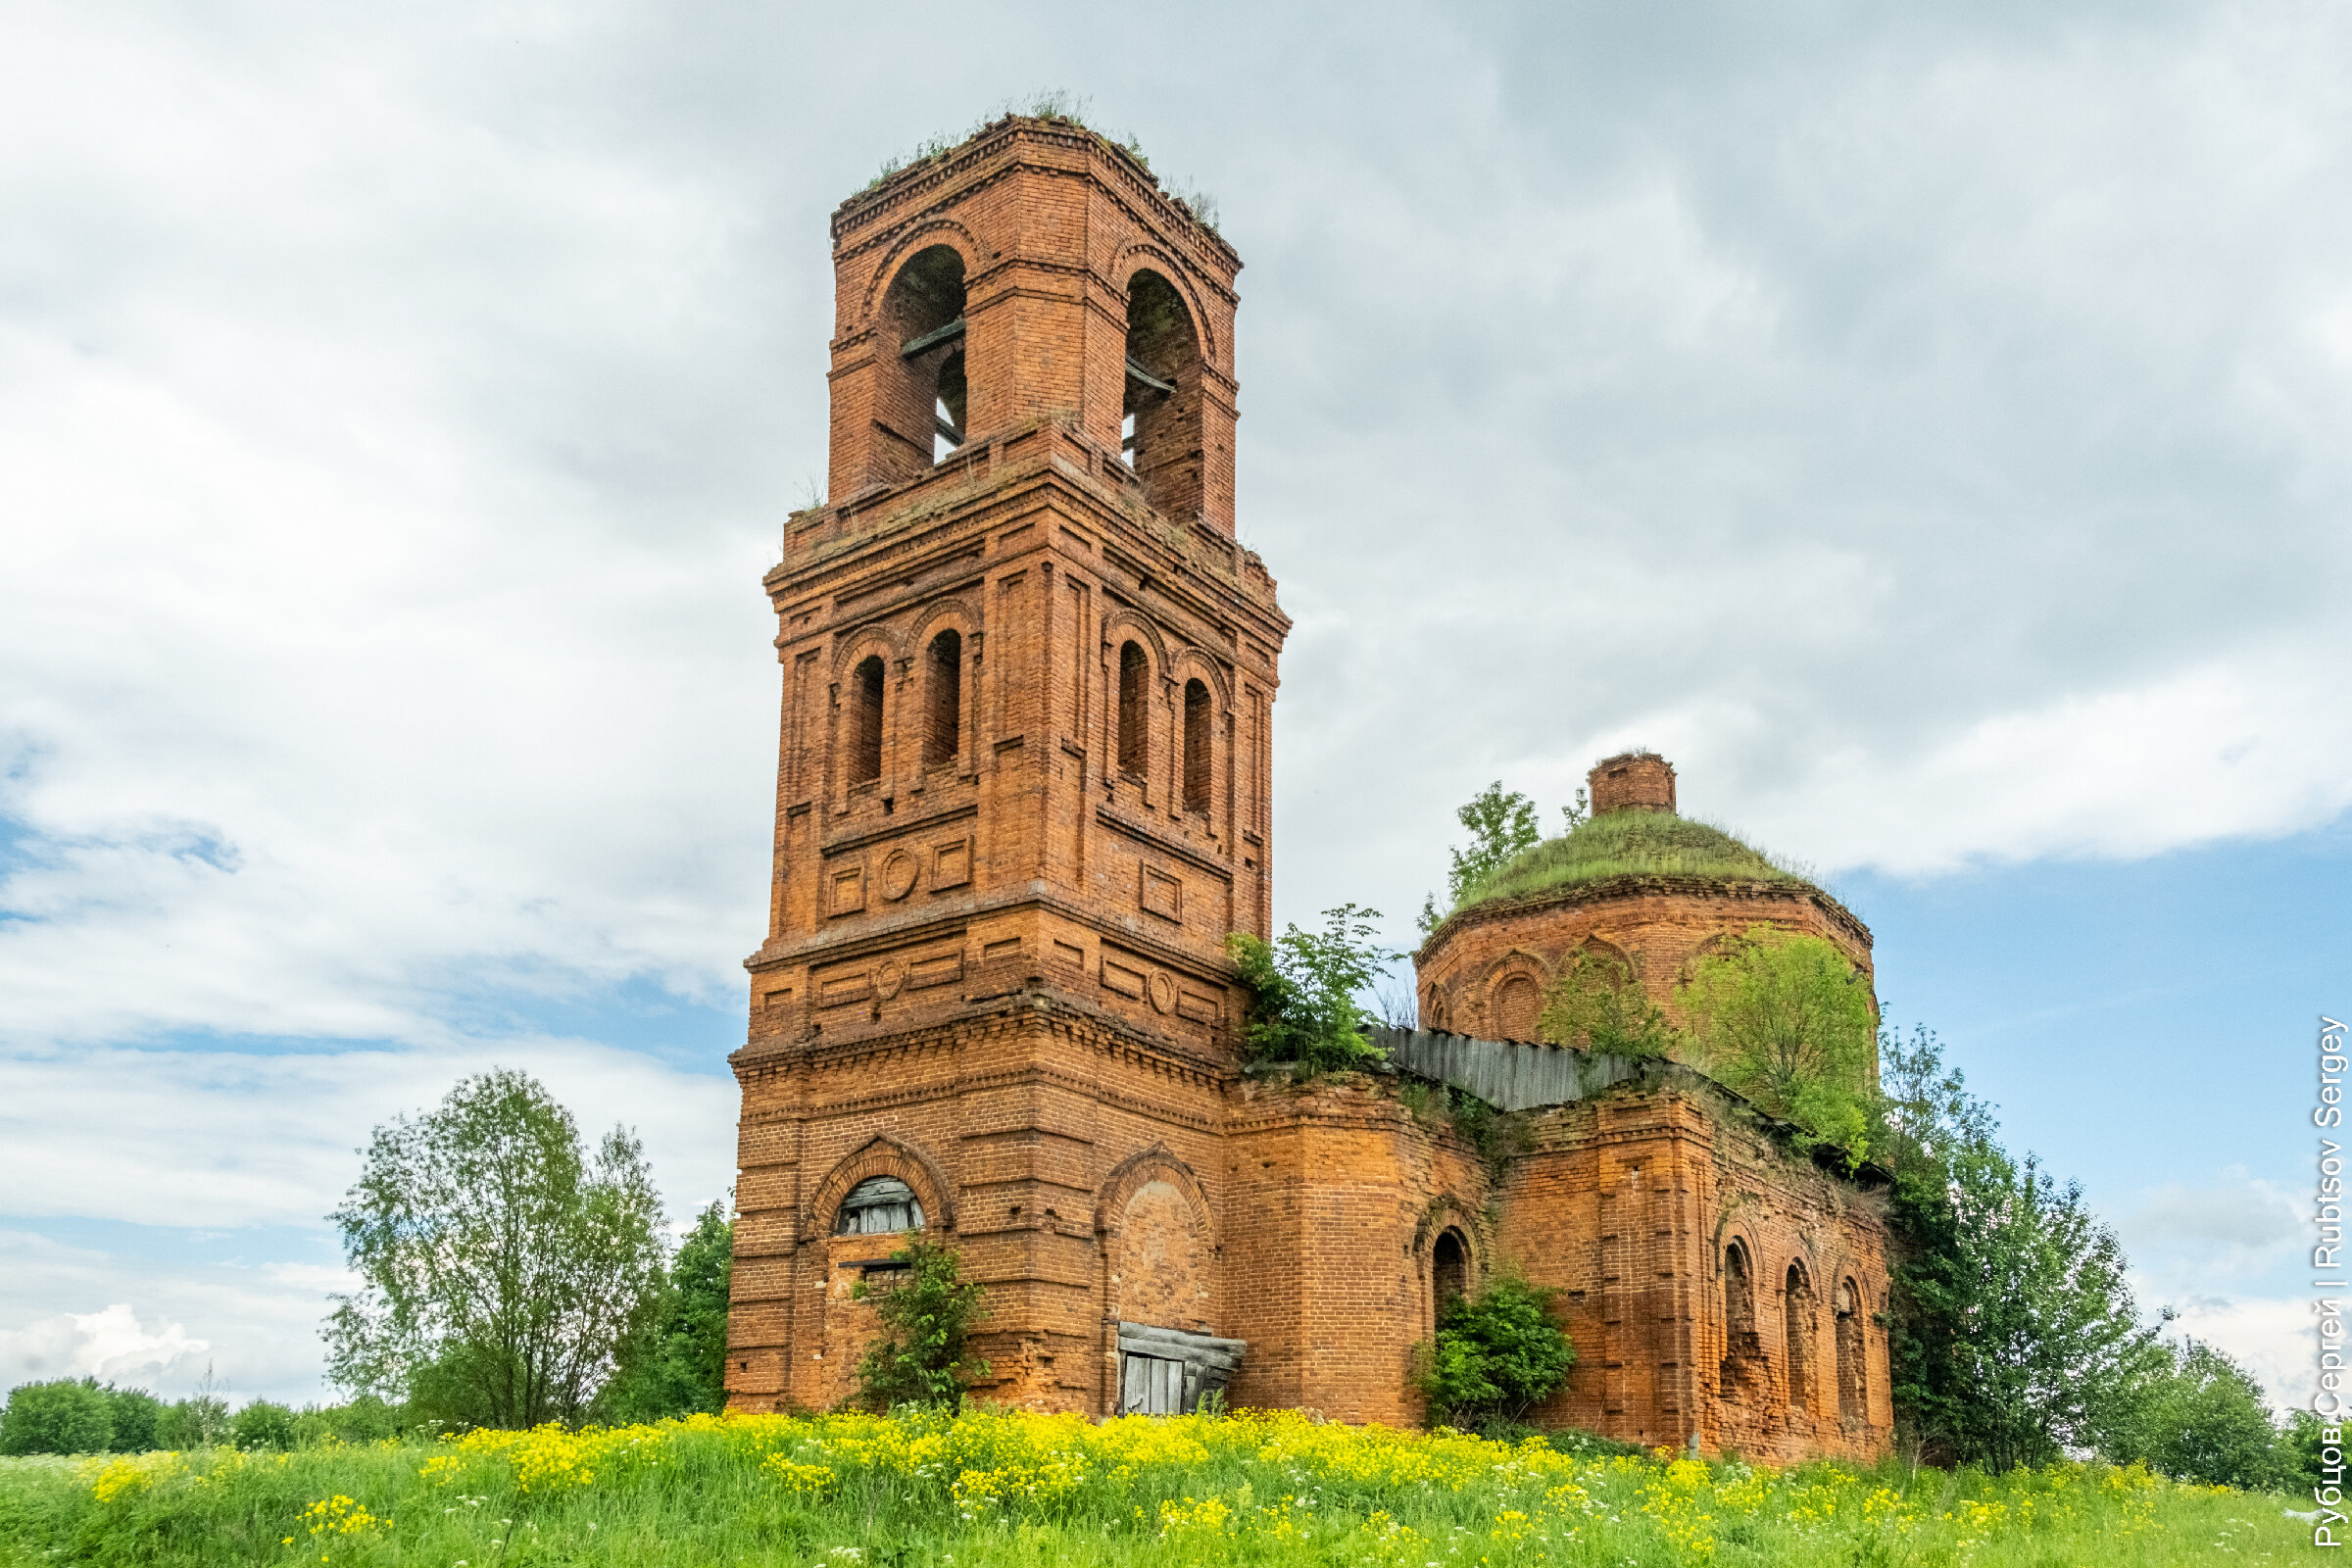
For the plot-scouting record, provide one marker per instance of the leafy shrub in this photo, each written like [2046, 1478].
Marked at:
[927, 1310]
[1496, 1355]
[67, 1416]
[262, 1424]
[2197, 1415]
[1303, 988]
[1594, 1004]
[134, 1416]
[1786, 1021]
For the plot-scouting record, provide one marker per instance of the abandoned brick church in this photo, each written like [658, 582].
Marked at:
[1024, 793]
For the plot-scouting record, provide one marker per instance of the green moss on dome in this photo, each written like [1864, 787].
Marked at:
[1631, 844]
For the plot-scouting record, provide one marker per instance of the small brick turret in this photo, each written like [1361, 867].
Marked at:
[1632, 781]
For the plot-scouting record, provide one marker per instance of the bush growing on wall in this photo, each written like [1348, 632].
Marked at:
[1595, 1005]
[1786, 1021]
[927, 1310]
[1496, 1355]
[1304, 987]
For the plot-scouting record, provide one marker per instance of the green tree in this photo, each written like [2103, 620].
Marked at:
[262, 1424]
[2196, 1415]
[69, 1415]
[676, 1365]
[1594, 1004]
[1496, 1355]
[1501, 824]
[134, 1416]
[502, 1268]
[1303, 988]
[2024, 1338]
[927, 1310]
[1786, 1021]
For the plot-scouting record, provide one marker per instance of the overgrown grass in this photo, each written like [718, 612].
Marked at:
[1056, 106]
[989, 1488]
[1627, 843]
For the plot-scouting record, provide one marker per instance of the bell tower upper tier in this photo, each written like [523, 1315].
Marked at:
[1026, 738]
[1034, 274]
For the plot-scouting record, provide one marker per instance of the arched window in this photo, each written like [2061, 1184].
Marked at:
[1797, 1327]
[1448, 1268]
[1853, 1387]
[1741, 1347]
[1517, 1003]
[1196, 746]
[1134, 725]
[919, 406]
[879, 1206]
[943, 736]
[866, 702]
[1739, 1295]
[1161, 415]
[1433, 1011]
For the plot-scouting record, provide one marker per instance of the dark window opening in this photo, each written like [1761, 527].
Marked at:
[1134, 728]
[919, 406]
[1853, 1387]
[1161, 416]
[1450, 1268]
[943, 736]
[865, 754]
[1797, 1324]
[879, 1206]
[1197, 721]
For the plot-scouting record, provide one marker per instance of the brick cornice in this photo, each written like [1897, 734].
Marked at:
[1639, 884]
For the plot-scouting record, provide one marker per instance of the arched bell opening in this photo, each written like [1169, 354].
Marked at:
[923, 398]
[1160, 426]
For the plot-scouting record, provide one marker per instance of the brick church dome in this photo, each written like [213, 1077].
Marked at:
[1635, 884]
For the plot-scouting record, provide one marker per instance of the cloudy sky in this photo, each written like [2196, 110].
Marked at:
[1929, 429]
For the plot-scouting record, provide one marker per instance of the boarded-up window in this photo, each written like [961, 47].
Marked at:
[1196, 746]
[1134, 731]
[942, 735]
[879, 1206]
[1517, 1000]
[865, 718]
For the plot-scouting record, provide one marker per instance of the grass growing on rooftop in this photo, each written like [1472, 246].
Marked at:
[1632, 843]
[988, 1487]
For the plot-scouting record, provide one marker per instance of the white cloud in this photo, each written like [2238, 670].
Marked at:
[111, 1345]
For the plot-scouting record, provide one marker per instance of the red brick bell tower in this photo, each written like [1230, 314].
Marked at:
[1023, 785]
